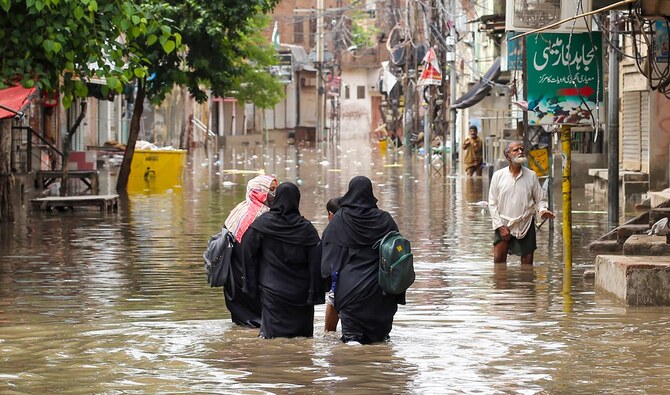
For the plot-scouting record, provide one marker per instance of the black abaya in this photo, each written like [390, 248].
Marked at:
[245, 308]
[366, 312]
[286, 251]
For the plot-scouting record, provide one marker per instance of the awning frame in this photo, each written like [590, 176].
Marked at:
[479, 90]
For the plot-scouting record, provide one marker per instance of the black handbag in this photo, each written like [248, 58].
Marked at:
[217, 259]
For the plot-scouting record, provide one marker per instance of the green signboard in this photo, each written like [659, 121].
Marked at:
[514, 53]
[564, 76]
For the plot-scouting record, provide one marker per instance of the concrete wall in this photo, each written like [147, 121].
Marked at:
[356, 113]
[634, 280]
[581, 163]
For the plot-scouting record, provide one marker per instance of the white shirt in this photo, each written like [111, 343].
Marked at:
[514, 201]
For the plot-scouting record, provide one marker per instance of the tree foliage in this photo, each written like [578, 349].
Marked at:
[363, 31]
[225, 52]
[258, 54]
[61, 44]
[205, 45]
[215, 57]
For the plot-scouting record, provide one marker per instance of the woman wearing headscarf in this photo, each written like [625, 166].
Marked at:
[245, 308]
[285, 248]
[366, 312]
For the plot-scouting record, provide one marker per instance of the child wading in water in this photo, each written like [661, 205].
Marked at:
[332, 318]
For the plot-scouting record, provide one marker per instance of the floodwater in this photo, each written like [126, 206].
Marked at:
[118, 302]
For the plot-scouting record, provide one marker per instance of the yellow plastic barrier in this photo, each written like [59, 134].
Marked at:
[156, 170]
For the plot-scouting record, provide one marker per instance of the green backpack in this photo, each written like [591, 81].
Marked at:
[396, 263]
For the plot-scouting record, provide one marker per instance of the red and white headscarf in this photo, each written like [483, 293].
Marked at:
[241, 217]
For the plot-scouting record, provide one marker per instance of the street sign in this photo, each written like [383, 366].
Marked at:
[431, 74]
[564, 77]
[333, 86]
[538, 161]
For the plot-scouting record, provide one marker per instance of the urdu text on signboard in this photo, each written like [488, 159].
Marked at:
[564, 77]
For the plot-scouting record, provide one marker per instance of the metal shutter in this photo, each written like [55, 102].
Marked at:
[644, 132]
[635, 131]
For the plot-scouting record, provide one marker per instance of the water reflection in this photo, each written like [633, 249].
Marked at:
[120, 303]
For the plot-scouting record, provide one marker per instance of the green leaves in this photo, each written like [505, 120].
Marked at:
[139, 72]
[48, 45]
[67, 99]
[80, 88]
[58, 44]
[169, 46]
[78, 12]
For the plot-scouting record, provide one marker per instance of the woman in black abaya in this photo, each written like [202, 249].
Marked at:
[245, 309]
[285, 248]
[365, 311]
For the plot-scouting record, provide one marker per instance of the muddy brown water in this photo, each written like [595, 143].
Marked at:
[118, 303]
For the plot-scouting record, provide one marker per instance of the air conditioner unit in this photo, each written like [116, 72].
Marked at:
[525, 15]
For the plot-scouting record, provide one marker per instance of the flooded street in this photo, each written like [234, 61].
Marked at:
[118, 302]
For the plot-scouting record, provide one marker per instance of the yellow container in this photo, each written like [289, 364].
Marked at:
[382, 145]
[156, 170]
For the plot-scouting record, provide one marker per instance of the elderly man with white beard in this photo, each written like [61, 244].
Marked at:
[515, 195]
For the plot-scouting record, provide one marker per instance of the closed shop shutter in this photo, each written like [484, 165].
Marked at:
[635, 131]
[644, 132]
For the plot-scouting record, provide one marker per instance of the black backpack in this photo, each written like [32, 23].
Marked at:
[396, 263]
[217, 259]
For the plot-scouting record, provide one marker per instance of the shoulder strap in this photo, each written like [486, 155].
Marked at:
[383, 239]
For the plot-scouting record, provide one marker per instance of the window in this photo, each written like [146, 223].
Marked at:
[298, 32]
[360, 92]
[346, 92]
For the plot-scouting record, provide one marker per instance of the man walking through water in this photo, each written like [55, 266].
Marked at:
[473, 147]
[515, 195]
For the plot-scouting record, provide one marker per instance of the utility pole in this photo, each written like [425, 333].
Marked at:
[613, 126]
[319, 73]
[452, 88]
[430, 113]
[409, 87]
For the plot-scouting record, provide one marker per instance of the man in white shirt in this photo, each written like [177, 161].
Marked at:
[515, 195]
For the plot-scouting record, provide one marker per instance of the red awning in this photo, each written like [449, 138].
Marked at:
[14, 98]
